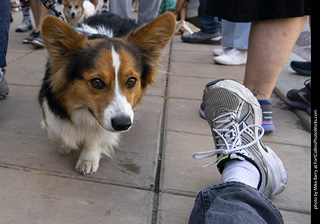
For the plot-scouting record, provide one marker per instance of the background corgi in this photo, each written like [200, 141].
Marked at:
[75, 11]
[94, 79]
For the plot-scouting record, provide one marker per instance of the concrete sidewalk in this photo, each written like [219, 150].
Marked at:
[153, 177]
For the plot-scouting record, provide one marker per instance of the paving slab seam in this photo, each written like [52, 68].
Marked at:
[161, 142]
[179, 192]
[90, 179]
[294, 210]
[193, 62]
[28, 85]
[18, 58]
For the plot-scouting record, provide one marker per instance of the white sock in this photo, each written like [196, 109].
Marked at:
[241, 171]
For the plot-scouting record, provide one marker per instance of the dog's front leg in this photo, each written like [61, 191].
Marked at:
[88, 161]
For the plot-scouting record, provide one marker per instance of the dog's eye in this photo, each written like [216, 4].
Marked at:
[97, 83]
[131, 82]
[69, 6]
[76, 6]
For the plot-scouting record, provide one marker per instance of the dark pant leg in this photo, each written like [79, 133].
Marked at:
[209, 24]
[233, 202]
[4, 30]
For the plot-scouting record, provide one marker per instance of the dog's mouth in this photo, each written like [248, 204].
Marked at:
[118, 124]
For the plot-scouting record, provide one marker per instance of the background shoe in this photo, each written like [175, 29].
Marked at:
[38, 41]
[300, 98]
[4, 89]
[302, 67]
[25, 26]
[30, 38]
[232, 57]
[220, 51]
[202, 38]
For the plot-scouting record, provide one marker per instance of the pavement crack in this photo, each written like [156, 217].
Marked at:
[161, 143]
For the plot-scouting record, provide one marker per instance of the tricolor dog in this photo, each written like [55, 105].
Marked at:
[75, 11]
[96, 74]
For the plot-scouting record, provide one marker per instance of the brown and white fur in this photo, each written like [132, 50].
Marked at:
[76, 11]
[92, 83]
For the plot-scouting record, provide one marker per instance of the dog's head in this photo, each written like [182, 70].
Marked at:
[73, 8]
[103, 79]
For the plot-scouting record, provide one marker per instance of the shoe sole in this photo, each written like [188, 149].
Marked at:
[301, 71]
[276, 171]
[37, 44]
[298, 105]
[23, 30]
[213, 41]
[222, 62]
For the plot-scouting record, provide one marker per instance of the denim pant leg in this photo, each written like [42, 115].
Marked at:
[235, 35]
[233, 202]
[121, 8]
[147, 10]
[209, 24]
[4, 30]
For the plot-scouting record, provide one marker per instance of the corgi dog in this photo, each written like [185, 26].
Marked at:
[94, 79]
[76, 11]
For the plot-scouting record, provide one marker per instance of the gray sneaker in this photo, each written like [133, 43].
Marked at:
[234, 116]
[25, 26]
[203, 38]
[4, 89]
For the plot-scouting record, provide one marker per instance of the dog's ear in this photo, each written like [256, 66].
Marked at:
[59, 38]
[152, 39]
[155, 35]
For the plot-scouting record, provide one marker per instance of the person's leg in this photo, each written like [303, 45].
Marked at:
[4, 31]
[4, 37]
[227, 33]
[233, 202]
[147, 10]
[39, 13]
[235, 39]
[26, 24]
[241, 36]
[121, 8]
[270, 43]
[209, 24]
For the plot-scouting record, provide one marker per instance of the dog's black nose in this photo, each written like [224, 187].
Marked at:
[121, 123]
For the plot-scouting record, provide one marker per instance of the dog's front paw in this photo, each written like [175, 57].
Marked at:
[87, 166]
[88, 162]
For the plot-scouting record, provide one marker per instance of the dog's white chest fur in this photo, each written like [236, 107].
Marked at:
[83, 132]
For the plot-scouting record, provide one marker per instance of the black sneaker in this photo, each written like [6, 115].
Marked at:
[234, 116]
[4, 89]
[38, 41]
[203, 38]
[30, 38]
[300, 98]
[302, 67]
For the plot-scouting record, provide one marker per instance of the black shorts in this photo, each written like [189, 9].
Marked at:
[253, 10]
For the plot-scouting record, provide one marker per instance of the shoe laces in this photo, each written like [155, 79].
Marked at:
[228, 137]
